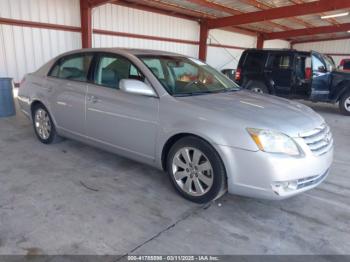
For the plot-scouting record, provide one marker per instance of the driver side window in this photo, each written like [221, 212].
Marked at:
[111, 69]
[317, 65]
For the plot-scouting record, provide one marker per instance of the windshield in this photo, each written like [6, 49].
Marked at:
[329, 62]
[187, 76]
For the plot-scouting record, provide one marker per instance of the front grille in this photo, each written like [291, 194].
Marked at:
[319, 140]
[309, 181]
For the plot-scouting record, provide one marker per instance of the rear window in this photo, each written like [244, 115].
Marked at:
[254, 61]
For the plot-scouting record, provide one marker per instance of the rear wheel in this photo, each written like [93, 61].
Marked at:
[257, 87]
[196, 170]
[344, 104]
[43, 125]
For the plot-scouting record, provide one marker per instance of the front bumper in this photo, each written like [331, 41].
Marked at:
[273, 176]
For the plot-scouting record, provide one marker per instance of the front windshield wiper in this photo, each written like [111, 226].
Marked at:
[208, 92]
[193, 93]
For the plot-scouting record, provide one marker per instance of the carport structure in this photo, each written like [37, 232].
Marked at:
[70, 198]
[216, 31]
[293, 20]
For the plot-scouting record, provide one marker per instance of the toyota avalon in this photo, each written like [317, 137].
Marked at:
[178, 114]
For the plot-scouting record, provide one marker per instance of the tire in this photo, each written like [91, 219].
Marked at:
[344, 104]
[257, 87]
[43, 125]
[198, 181]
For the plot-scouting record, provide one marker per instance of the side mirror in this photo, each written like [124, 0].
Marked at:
[136, 87]
[322, 69]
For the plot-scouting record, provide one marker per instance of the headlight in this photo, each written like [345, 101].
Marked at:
[274, 142]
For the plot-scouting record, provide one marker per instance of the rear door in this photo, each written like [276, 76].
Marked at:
[126, 122]
[67, 83]
[279, 73]
[253, 67]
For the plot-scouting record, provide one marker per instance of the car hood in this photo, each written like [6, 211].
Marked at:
[257, 111]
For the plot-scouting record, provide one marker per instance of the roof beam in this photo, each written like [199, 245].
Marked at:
[177, 10]
[95, 3]
[308, 31]
[230, 10]
[157, 10]
[264, 6]
[332, 21]
[170, 8]
[327, 38]
[280, 12]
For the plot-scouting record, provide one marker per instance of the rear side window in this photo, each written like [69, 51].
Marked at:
[72, 67]
[254, 61]
[281, 61]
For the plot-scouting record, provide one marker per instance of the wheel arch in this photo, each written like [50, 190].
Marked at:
[176, 137]
[342, 89]
[259, 82]
[36, 102]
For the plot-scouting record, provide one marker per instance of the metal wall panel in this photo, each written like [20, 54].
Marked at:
[276, 44]
[128, 42]
[123, 19]
[227, 58]
[127, 20]
[63, 12]
[328, 47]
[24, 49]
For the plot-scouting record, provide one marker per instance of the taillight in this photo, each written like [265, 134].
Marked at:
[23, 80]
[238, 74]
[308, 73]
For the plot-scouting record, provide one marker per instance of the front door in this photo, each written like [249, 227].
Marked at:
[126, 122]
[279, 73]
[302, 68]
[67, 81]
[321, 78]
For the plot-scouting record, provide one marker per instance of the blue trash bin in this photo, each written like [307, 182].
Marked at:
[7, 105]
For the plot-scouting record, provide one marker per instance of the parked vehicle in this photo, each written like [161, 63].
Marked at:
[294, 74]
[230, 73]
[344, 64]
[179, 114]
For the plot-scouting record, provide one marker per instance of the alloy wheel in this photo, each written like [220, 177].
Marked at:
[347, 104]
[192, 171]
[257, 90]
[42, 124]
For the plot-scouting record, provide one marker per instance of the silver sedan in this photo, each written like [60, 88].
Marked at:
[178, 114]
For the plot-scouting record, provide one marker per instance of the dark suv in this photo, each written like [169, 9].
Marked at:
[294, 74]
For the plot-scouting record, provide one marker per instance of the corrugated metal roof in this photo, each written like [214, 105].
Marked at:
[247, 6]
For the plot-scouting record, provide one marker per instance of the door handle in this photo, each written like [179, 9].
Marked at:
[93, 99]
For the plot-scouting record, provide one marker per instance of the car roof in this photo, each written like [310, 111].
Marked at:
[132, 51]
[272, 50]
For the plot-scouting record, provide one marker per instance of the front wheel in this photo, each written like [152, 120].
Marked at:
[196, 170]
[344, 104]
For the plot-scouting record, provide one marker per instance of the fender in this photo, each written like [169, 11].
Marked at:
[37, 100]
[340, 89]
